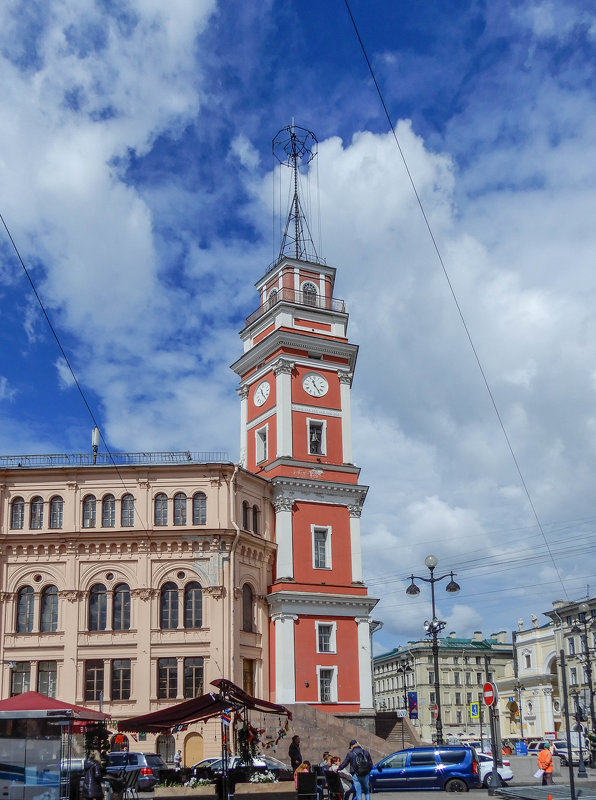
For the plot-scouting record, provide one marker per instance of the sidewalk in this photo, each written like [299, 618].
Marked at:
[586, 789]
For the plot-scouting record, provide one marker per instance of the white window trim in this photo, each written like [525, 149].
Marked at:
[332, 638]
[328, 562]
[323, 424]
[333, 684]
[261, 444]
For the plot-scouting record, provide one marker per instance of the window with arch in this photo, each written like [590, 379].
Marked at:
[272, 299]
[25, 606]
[89, 511]
[36, 515]
[199, 509]
[121, 608]
[168, 610]
[193, 605]
[48, 620]
[56, 512]
[127, 509]
[161, 509]
[245, 508]
[17, 513]
[180, 509]
[255, 519]
[108, 511]
[309, 294]
[247, 608]
[98, 607]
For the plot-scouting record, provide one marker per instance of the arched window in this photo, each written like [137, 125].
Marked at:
[199, 509]
[193, 605]
[161, 509]
[56, 512]
[180, 509]
[169, 607]
[121, 609]
[247, 608]
[108, 511]
[17, 513]
[245, 515]
[89, 510]
[49, 610]
[128, 511]
[36, 516]
[98, 607]
[272, 298]
[309, 294]
[255, 519]
[25, 601]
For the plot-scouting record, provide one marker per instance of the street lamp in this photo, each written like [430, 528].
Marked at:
[585, 657]
[519, 687]
[434, 626]
[403, 668]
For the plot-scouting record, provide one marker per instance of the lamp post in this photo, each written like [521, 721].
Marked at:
[585, 657]
[519, 687]
[403, 668]
[434, 626]
[581, 772]
[95, 442]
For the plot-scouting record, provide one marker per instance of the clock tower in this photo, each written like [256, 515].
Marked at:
[295, 379]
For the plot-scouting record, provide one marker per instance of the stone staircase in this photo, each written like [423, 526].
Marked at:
[397, 733]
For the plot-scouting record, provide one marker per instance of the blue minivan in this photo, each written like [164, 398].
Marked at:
[453, 768]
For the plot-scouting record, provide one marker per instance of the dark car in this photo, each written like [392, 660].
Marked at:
[239, 772]
[199, 770]
[152, 768]
[452, 768]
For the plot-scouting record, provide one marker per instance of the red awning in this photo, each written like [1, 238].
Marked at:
[33, 704]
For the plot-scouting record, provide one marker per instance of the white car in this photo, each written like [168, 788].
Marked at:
[486, 768]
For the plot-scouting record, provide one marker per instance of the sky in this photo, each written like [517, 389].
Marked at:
[138, 184]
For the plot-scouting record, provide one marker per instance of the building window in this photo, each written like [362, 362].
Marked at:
[193, 677]
[199, 509]
[47, 677]
[108, 511]
[468, 678]
[245, 515]
[56, 512]
[261, 444]
[468, 697]
[167, 678]
[169, 607]
[49, 611]
[25, 605]
[457, 678]
[317, 440]
[479, 677]
[193, 605]
[180, 509]
[94, 679]
[121, 608]
[255, 519]
[89, 510]
[247, 608]
[431, 677]
[571, 646]
[325, 637]
[17, 514]
[309, 294]
[121, 679]
[573, 676]
[161, 509]
[327, 684]
[321, 548]
[458, 717]
[458, 698]
[456, 659]
[20, 678]
[36, 515]
[127, 511]
[98, 607]
[248, 675]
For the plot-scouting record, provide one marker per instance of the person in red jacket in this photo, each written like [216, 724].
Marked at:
[545, 762]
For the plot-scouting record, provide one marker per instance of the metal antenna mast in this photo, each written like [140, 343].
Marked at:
[294, 147]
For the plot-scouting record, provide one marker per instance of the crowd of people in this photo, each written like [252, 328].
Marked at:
[353, 771]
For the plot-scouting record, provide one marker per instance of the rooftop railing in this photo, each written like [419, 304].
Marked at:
[111, 459]
[309, 299]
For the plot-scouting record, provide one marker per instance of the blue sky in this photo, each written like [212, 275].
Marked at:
[136, 175]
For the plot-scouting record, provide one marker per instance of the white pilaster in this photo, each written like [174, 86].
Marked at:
[345, 384]
[283, 537]
[355, 546]
[364, 662]
[285, 678]
[243, 392]
[283, 394]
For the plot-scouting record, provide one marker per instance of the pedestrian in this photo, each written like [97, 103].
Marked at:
[92, 776]
[545, 763]
[294, 753]
[178, 760]
[360, 766]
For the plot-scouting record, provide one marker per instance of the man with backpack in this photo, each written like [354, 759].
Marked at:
[360, 765]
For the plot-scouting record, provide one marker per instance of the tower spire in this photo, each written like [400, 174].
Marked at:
[293, 147]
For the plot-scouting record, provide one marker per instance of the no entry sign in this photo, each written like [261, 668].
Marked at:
[489, 694]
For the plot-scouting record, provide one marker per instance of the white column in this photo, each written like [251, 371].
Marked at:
[345, 384]
[549, 720]
[285, 679]
[364, 662]
[355, 546]
[283, 537]
[283, 400]
[243, 393]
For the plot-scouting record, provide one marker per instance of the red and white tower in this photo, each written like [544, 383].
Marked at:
[296, 375]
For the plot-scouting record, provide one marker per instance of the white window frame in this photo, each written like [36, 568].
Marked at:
[571, 646]
[261, 444]
[327, 529]
[333, 692]
[323, 424]
[332, 636]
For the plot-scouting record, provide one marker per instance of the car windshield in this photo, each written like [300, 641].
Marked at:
[273, 762]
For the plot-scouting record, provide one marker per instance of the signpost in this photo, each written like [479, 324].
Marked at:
[490, 697]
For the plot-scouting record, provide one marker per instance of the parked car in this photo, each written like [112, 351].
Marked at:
[152, 768]
[560, 750]
[453, 768]
[199, 770]
[239, 772]
[486, 768]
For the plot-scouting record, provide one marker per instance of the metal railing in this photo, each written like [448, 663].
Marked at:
[111, 459]
[308, 299]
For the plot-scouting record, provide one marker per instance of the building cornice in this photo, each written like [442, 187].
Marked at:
[313, 603]
[315, 491]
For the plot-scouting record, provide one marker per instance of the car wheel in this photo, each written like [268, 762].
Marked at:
[564, 762]
[456, 785]
[486, 781]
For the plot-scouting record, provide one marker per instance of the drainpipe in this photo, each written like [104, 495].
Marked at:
[236, 528]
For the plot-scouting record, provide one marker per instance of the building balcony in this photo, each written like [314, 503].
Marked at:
[308, 299]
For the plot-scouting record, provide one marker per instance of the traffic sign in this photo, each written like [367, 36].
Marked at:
[489, 694]
[474, 710]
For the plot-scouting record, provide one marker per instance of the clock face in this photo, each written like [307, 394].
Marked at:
[262, 393]
[315, 385]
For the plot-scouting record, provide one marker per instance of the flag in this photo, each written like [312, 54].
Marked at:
[226, 716]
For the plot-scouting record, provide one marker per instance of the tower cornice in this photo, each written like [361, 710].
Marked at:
[291, 488]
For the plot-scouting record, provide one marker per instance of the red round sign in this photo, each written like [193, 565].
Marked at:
[489, 693]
